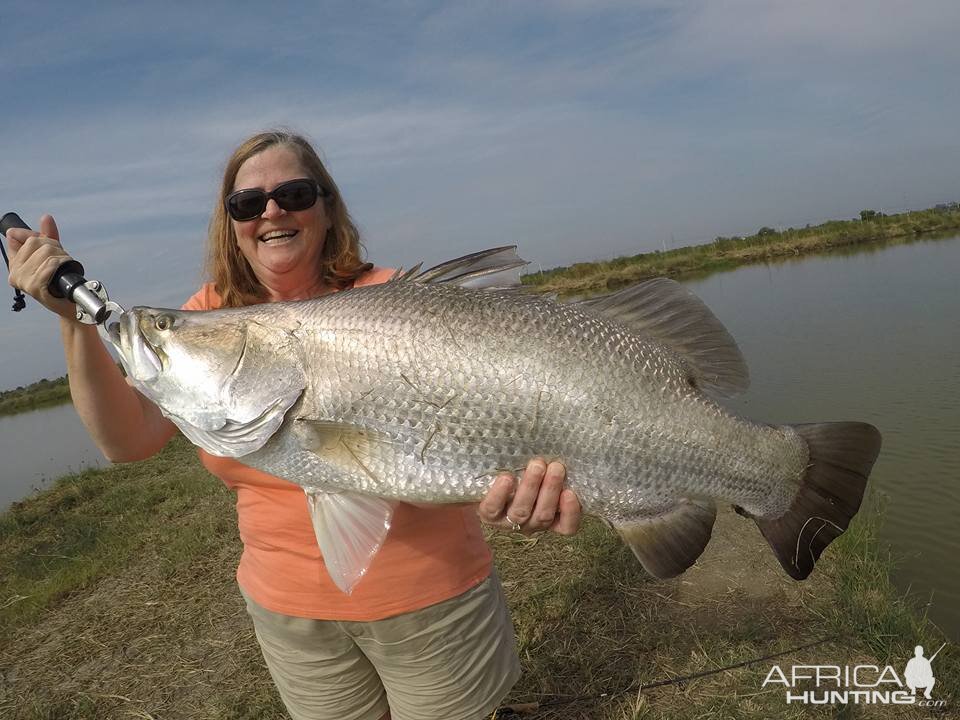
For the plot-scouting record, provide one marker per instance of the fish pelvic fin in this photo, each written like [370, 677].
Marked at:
[669, 542]
[350, 530]
[841, 458]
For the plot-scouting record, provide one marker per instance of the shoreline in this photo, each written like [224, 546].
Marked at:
[727, 253]
[40, 394]
[117, 585]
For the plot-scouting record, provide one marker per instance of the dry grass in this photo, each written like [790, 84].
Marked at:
[159, 630]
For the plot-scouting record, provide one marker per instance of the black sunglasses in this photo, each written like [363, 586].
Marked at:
[292, 195]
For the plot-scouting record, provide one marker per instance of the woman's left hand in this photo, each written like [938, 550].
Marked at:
[538, 502]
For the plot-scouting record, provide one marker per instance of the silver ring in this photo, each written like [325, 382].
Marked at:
[514, 524]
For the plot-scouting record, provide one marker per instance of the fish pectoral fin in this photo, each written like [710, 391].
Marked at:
[344, 445]
[669, 542]
[350, 530]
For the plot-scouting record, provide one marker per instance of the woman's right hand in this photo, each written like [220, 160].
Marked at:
[34, 258]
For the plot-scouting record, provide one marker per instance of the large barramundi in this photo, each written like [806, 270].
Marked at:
[423, 389]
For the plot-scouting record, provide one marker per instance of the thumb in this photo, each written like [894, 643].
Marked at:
[48, 227]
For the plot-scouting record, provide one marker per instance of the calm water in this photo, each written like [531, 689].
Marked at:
[38, 447]
[871, 335]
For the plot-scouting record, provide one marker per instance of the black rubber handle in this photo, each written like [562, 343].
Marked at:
[68, 281]
[6, 222]
[68, 276]
[11, 220]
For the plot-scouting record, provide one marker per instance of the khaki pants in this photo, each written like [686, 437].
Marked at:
[455, 660]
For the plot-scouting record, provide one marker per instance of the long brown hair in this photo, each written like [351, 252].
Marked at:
[341, 261]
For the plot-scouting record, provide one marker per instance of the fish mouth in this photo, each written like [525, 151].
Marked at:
[140, 358]
[111, 334]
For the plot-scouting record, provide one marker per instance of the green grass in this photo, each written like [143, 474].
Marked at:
[118, 600]
[43, 393]
[729, 252]
[91, 524]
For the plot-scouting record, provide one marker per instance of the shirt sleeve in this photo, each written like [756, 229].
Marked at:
[206, 298]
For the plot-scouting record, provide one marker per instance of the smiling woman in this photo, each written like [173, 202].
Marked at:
[282, 232]
[283, 247]
[300, 249]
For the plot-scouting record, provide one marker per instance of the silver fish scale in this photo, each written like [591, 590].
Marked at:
[452, 386]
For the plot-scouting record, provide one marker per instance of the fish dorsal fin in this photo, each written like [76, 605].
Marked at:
[350, 530]
[487, 269]
[667, 312]
[669, 542]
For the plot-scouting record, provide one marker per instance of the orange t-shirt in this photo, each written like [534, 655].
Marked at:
[429, 555]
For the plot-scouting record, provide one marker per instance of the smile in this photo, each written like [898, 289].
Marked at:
[276, 237]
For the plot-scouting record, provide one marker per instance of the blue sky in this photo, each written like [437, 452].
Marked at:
[577, 130]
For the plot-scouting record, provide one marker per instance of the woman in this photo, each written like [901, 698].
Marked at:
[426, 633]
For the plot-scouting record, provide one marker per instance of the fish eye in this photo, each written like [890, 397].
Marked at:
[164, 322]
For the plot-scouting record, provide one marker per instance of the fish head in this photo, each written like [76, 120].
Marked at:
[224, 372]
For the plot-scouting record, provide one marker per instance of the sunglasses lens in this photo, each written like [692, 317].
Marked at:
[247, 204]
[296, 195]
[291, 196]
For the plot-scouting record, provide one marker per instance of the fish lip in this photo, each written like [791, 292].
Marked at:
[145, 360]
[111, 333]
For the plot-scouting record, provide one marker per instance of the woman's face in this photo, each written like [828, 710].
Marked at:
[283, 247]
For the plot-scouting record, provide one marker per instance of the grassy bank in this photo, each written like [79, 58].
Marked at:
[729, 252]
[40, 394]
[117, 600]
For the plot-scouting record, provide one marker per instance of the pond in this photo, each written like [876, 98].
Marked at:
[39, 446]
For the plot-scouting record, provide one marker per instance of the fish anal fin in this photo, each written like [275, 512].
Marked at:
[669, 313]
[669, 542]
[350, 529]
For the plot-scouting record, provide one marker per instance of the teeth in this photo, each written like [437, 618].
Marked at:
[274, 234]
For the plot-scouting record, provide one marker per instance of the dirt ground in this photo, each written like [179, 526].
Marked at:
[167, 641]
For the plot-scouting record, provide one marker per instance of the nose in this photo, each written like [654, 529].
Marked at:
[272, 210]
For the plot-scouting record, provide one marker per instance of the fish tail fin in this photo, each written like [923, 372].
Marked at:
[841, 457]
[669, 542]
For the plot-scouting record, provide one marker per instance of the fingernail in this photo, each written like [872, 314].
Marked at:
[555, 471]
